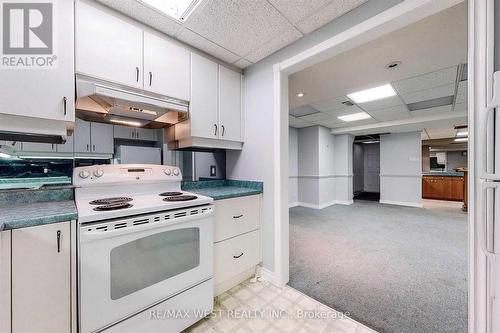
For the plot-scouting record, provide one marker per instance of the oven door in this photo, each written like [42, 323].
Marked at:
[128, 265]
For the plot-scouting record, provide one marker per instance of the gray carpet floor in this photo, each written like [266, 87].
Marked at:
[394, 269]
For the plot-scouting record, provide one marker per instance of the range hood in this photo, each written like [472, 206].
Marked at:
[103, 101]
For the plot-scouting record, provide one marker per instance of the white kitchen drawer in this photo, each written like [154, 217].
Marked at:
[236, 255]
[236, 216]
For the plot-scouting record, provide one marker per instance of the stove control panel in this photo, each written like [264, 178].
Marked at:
[125, 173]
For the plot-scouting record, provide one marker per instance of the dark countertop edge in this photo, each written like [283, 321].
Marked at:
[37, 221]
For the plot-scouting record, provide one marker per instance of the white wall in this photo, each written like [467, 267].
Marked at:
[308, 166]
[203, 161]
[400, 169]
[343, 168]
[293, 165]
[255, 161]
[455, 159]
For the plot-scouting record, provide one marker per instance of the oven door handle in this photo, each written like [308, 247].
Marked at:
[87, 236]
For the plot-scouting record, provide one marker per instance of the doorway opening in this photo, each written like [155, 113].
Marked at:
[366, 168]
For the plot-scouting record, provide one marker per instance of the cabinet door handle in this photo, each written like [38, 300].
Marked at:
[215, 133]
[237, 216]
[137, 134]
[88, 147]
[133, 134]
[58, 241]
[223, 130]
[150, 78]
[93, 147]
[65, 107]
[137, 74]
[239, 256]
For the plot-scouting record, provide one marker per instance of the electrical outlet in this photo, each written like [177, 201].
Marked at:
[213, 171]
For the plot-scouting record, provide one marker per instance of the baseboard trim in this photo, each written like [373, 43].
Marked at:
[345, 202]
[267, 275]
[323, 205]
[402, 203]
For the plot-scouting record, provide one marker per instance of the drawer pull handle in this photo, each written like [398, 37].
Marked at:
[236, 257]
[237, 216]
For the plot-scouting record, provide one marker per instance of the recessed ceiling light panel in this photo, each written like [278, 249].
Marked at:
[463, 133]
[372, 94]
[355, 116]
[300, 94]
[177, 9]
[461, 139]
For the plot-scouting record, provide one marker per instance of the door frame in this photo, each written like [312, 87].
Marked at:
[392, 19]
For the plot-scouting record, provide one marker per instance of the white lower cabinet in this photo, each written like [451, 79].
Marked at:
[237, 235]
[41, 270]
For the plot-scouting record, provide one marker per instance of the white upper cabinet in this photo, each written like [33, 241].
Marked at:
[166, 67]
[46, 92]
[108, 47]
[229, 104]
[203, 107]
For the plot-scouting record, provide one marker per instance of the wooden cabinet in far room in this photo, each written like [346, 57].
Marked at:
[443, 187]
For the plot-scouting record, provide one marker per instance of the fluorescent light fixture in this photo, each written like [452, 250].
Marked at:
[373, 141]
[372, 94]
[355, 116]
[126, 122]
[461, 139]
[178, 9]
[465, 133]
[300, 94]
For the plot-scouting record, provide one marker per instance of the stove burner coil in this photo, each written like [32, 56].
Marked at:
[170, 194]
[181, 198]
[113, 206]
[110, 201]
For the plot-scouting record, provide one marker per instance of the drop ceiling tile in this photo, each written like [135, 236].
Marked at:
[423, 95]
[317, 117]
[207, 46]
[383, 103]
[295, 10]
[239, 26]
[288, 36]
[328, 13]
[441, 133]
[242, 63]
[303, 111]
[392, 113]
[431, 111]
[297, 123]
[142, 13]
[426, 81]
[460, 107]
[359, 122]
[461, 92]
[334, 104]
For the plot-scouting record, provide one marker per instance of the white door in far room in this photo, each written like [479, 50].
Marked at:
[372, 168]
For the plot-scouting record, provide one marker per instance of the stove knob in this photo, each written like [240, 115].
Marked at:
[98, 173]
[84, 174]
[176, 172]
[168, 172]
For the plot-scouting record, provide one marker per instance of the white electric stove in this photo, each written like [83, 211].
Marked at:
[145, 249]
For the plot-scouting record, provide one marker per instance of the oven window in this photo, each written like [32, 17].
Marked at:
[139, 264]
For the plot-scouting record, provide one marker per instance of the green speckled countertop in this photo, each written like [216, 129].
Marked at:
[444, 174]
[224, 189]
[28, 208]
